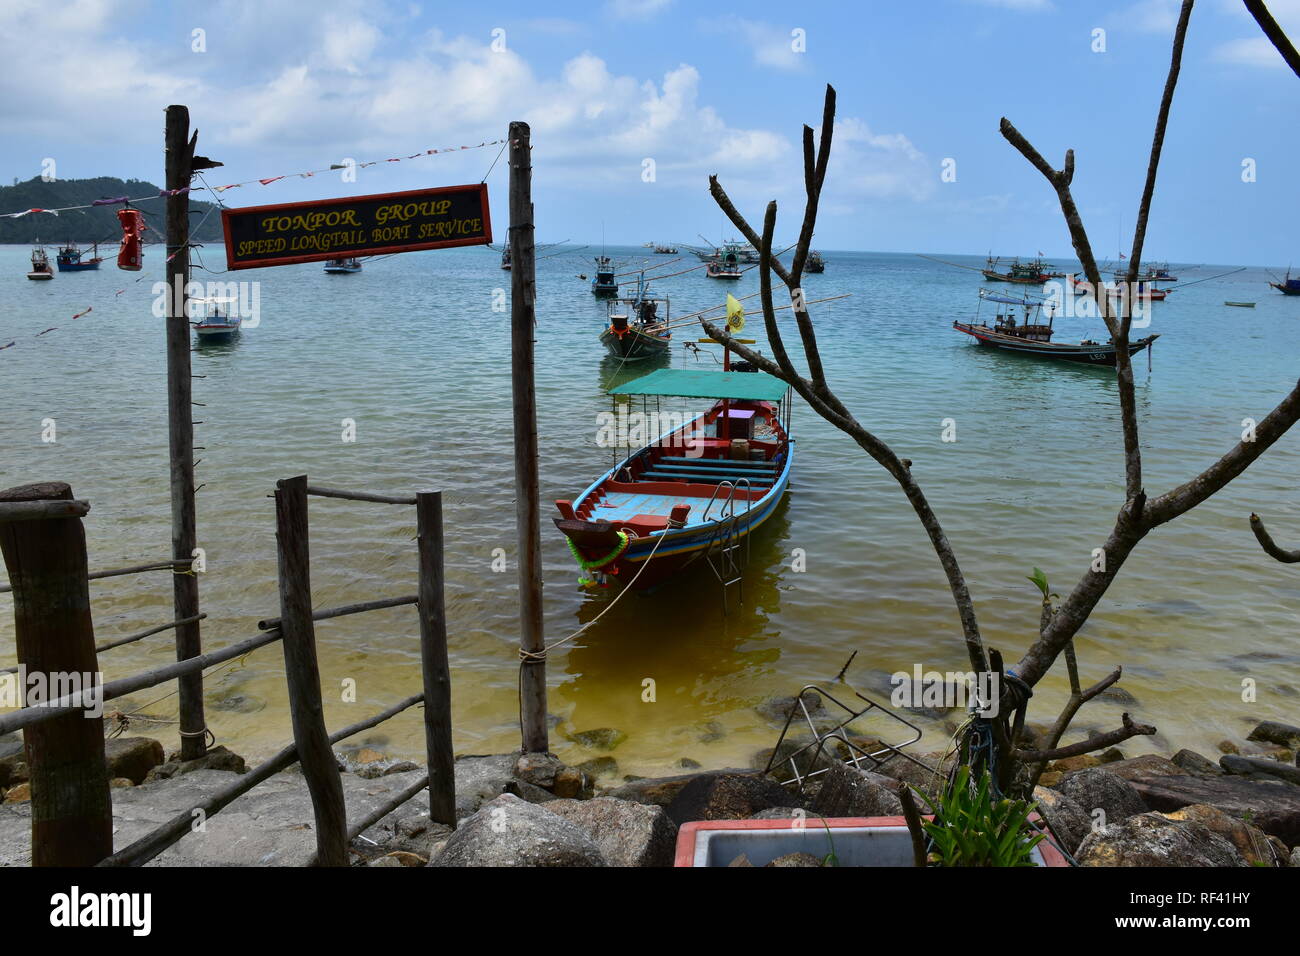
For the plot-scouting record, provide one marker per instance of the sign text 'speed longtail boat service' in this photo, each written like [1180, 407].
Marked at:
[697, 491]
[1034, 338]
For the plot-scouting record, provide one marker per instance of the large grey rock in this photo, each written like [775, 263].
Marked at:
[1193, 762]
[132, 757]
[628, 834]
[1097, 789]
[1275, 732]
[1272, 805]
[1069, 821]
[728, 796]
[508, 831]
[661, 791]
[777, 709]
[1151, 839]
[848, 792]
[218, 758]
[1251, 842]
[483, 778]
[1248, 766]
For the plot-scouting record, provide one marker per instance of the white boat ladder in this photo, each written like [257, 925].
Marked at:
[728, 549]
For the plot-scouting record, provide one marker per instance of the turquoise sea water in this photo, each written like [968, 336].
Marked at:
[413, 351]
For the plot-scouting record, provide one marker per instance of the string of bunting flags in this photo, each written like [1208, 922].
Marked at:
[263, 180]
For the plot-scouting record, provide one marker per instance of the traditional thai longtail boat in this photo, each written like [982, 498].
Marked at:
[637, 327]
[724, 265]
[71, 259]
[1020, 273]
[697, 491]
[1033, 337]
[1287, 286]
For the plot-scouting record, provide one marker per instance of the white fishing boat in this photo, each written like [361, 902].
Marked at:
[40, 265]
[219, 322]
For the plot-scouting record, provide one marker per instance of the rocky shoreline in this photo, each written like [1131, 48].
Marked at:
[533, 810]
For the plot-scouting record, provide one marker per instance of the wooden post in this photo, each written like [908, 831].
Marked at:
[523, 289]
[180, 428]
[302, 673]
[72, 813]
[433, 660]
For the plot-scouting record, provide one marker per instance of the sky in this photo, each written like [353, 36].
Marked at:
[633, 103]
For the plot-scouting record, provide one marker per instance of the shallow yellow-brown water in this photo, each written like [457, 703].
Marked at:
[413, 352]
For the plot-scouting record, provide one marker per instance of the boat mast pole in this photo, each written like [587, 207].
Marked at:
[532, 643]
[180, 427]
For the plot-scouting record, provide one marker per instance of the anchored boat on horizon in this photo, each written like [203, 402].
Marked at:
[1032, 337]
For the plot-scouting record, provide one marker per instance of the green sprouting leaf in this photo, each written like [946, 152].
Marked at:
[1040, 581]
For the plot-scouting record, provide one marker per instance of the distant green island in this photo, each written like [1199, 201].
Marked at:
[97, 224]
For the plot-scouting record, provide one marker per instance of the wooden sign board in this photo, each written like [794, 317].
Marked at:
[288, 233]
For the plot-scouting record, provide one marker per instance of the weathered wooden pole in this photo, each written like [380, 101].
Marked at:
[180, 427]
[72, 812]
[302, 673]
[523, 289]
[433, 660]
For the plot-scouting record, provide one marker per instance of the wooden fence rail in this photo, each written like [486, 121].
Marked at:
[294, 628]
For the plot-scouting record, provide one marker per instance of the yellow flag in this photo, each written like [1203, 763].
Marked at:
[735, 314]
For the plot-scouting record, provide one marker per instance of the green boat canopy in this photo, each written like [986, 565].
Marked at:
[706, 383]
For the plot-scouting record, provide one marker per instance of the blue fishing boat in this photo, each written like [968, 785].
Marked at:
[1287, 286]
[70, 258]
[698, 491]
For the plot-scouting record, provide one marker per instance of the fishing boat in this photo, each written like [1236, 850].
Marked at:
[40, 265]
[637, 327]
[1020, 273]
[699, 490]
[1144, 290]
[815, 263]
[665, 250]
[71, 259]
[343, 266]
[1241, 305]
[1287, 286]
[219, 323]
[1031, 336]
[604, 283]
[505, 258]
[724, 265]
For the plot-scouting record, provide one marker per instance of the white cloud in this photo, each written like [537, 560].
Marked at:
[768, 44]
[1152, 16]
[1016, 4]
[636, 9]
[1250, 51]
[878, 165]
[1254, 49]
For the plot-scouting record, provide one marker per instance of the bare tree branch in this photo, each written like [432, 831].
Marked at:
[814, 390]
[1269, 545]
[1099, 742]
[1274, 33]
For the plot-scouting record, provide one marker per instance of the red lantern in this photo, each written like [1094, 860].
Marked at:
[130, 256]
